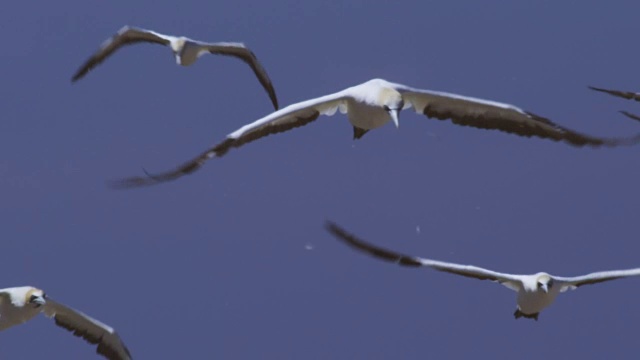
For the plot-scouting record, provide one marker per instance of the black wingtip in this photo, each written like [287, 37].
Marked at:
[630, 115]
[79, 74]
[134, 182]
[334, 228]
[130, 183]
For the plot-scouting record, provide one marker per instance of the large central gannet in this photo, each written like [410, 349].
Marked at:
[21, 304]
[376, 102]
[186, 52]
[535, 292]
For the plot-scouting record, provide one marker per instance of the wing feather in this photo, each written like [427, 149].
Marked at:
[283, 120]
[127, 35]
[596, 277]
[93, 331]
[241, 52]
[630, 115]
[491, 115]
[623, 94]
[509, 280]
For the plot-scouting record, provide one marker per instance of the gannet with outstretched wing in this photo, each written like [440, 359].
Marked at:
[535, 292]
[375, 103]
[186, 52]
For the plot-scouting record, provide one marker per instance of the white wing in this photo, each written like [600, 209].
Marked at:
[125, 36]
[90, 329]
[571, 283]
[513, 282]
[241, 52]
[623, 94]
[485, 114]
[285, 119]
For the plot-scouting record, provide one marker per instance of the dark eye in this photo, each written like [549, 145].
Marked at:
[549, 284]
[539, 285]
[386, 108]
[32, 298]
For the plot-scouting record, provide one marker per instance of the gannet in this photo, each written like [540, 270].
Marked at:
[21, 304]
[535, 292]
[186, 52]
[376, 102]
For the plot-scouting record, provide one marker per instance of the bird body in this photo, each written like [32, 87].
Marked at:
[12, 306]
[531, 299]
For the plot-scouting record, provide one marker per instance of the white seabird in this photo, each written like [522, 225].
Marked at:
[21, 304]
[186, 52]
[376, 102]
[535, 292]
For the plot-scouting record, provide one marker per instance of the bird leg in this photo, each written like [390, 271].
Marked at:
[518, 314]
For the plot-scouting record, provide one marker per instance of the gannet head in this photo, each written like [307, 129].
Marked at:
[177, 46]
[544, 282]
[35, 297]
[392, 102]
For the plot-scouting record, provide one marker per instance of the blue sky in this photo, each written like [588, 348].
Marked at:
[215, 265]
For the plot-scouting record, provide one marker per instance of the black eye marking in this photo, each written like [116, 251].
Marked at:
[32, 298]
[386, 108]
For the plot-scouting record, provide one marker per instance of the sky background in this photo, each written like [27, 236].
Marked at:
[216, 264]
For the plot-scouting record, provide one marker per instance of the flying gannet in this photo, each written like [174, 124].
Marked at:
[535, 292]
[186, 52]
[376, 102]
[21, 304]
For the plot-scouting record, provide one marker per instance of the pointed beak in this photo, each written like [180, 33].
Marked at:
[395, 113]
[39, 301]
[545, 288]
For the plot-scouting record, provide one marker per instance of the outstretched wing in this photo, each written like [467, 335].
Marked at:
[511, 281]
[630, 115]
[594, 278]
[125, 36]
[241, 52]
[485, 114]
[93, 331]
[285, 119]
[623, 94]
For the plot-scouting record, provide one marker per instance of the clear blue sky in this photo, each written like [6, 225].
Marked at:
[214, 265]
